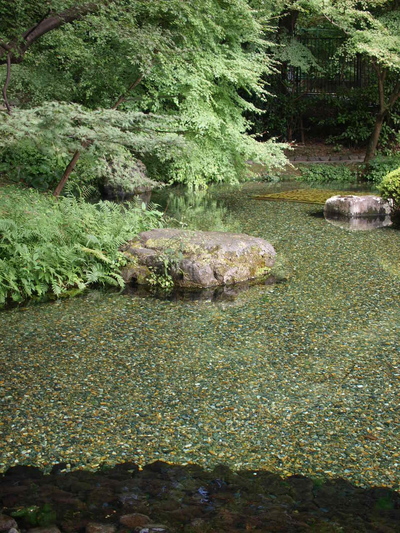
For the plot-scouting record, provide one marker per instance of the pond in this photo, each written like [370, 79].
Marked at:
[298, 377]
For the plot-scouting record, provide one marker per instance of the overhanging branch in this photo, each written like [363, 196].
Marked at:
[32, 34]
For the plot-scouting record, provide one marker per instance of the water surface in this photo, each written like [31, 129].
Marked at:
[297, 377]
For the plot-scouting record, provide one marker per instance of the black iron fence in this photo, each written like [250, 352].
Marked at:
[335, 72]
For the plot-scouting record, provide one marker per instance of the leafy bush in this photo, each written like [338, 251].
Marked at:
[390, 187]
[380, 166]
[33, 163]
[352, 116]
[49, 246]
[327, 173]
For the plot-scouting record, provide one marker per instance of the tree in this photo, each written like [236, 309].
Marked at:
[372, 30]
[13, 47]
[381, 44]
[107, 135]
[165, 57]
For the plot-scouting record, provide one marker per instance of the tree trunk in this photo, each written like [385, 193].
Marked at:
[380, 117]
[67, 173]
[373, 142]
[6, 83]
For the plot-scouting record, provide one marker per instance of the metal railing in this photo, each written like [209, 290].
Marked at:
[335, 72]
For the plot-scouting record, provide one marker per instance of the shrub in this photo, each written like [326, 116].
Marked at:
[380, 166]
[326, 173]
[390, 187]
[37, 166]
[49, 246]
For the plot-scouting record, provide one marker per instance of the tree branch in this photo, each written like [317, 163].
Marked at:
[5, 47]
[49, 23]
[67, 172]
[123, 97]
[336, 24]
[395, 95]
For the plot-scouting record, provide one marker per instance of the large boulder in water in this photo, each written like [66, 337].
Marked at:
[197, 259]
[356, 206]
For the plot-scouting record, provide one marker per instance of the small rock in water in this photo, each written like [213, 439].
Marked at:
[48, 529]
[135, 520]
[7, 523]
[94, 527]
[357, 206]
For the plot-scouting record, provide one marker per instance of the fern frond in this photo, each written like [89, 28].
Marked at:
[96, 253]
[60, 245]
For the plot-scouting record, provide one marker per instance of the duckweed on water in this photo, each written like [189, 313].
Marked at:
[308, 196]
[299, 377]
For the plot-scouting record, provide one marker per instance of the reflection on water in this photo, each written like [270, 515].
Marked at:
[196, 210]
[222, 293]
[296, 377]
[360, 223]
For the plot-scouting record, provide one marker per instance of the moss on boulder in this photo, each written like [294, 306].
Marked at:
[197, 259]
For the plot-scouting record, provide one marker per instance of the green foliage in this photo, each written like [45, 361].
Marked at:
[294, 53]
[370, 30]
[380, 166]
[160, 282]
[350, 116]
[49, 246]
[37, 165]
[37, 516]
[198, 61]
[160, 279]
[36, 144]
[327, 173]
[390, 187]
[71, 125]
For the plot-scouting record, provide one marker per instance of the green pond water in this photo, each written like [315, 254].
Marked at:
[299, 377]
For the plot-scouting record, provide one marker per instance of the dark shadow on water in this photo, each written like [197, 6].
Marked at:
[227, 293]
[396, 220]
[316, 214]
[178, 498]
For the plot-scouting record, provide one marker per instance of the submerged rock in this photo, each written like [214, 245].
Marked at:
[182, 498]
[7, 523]
[357, 206]
[197, 259]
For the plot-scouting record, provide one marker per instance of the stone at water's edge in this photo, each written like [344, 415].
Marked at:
[357, 206]
[197, 259]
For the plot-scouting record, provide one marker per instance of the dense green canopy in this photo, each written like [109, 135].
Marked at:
[194, 60]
